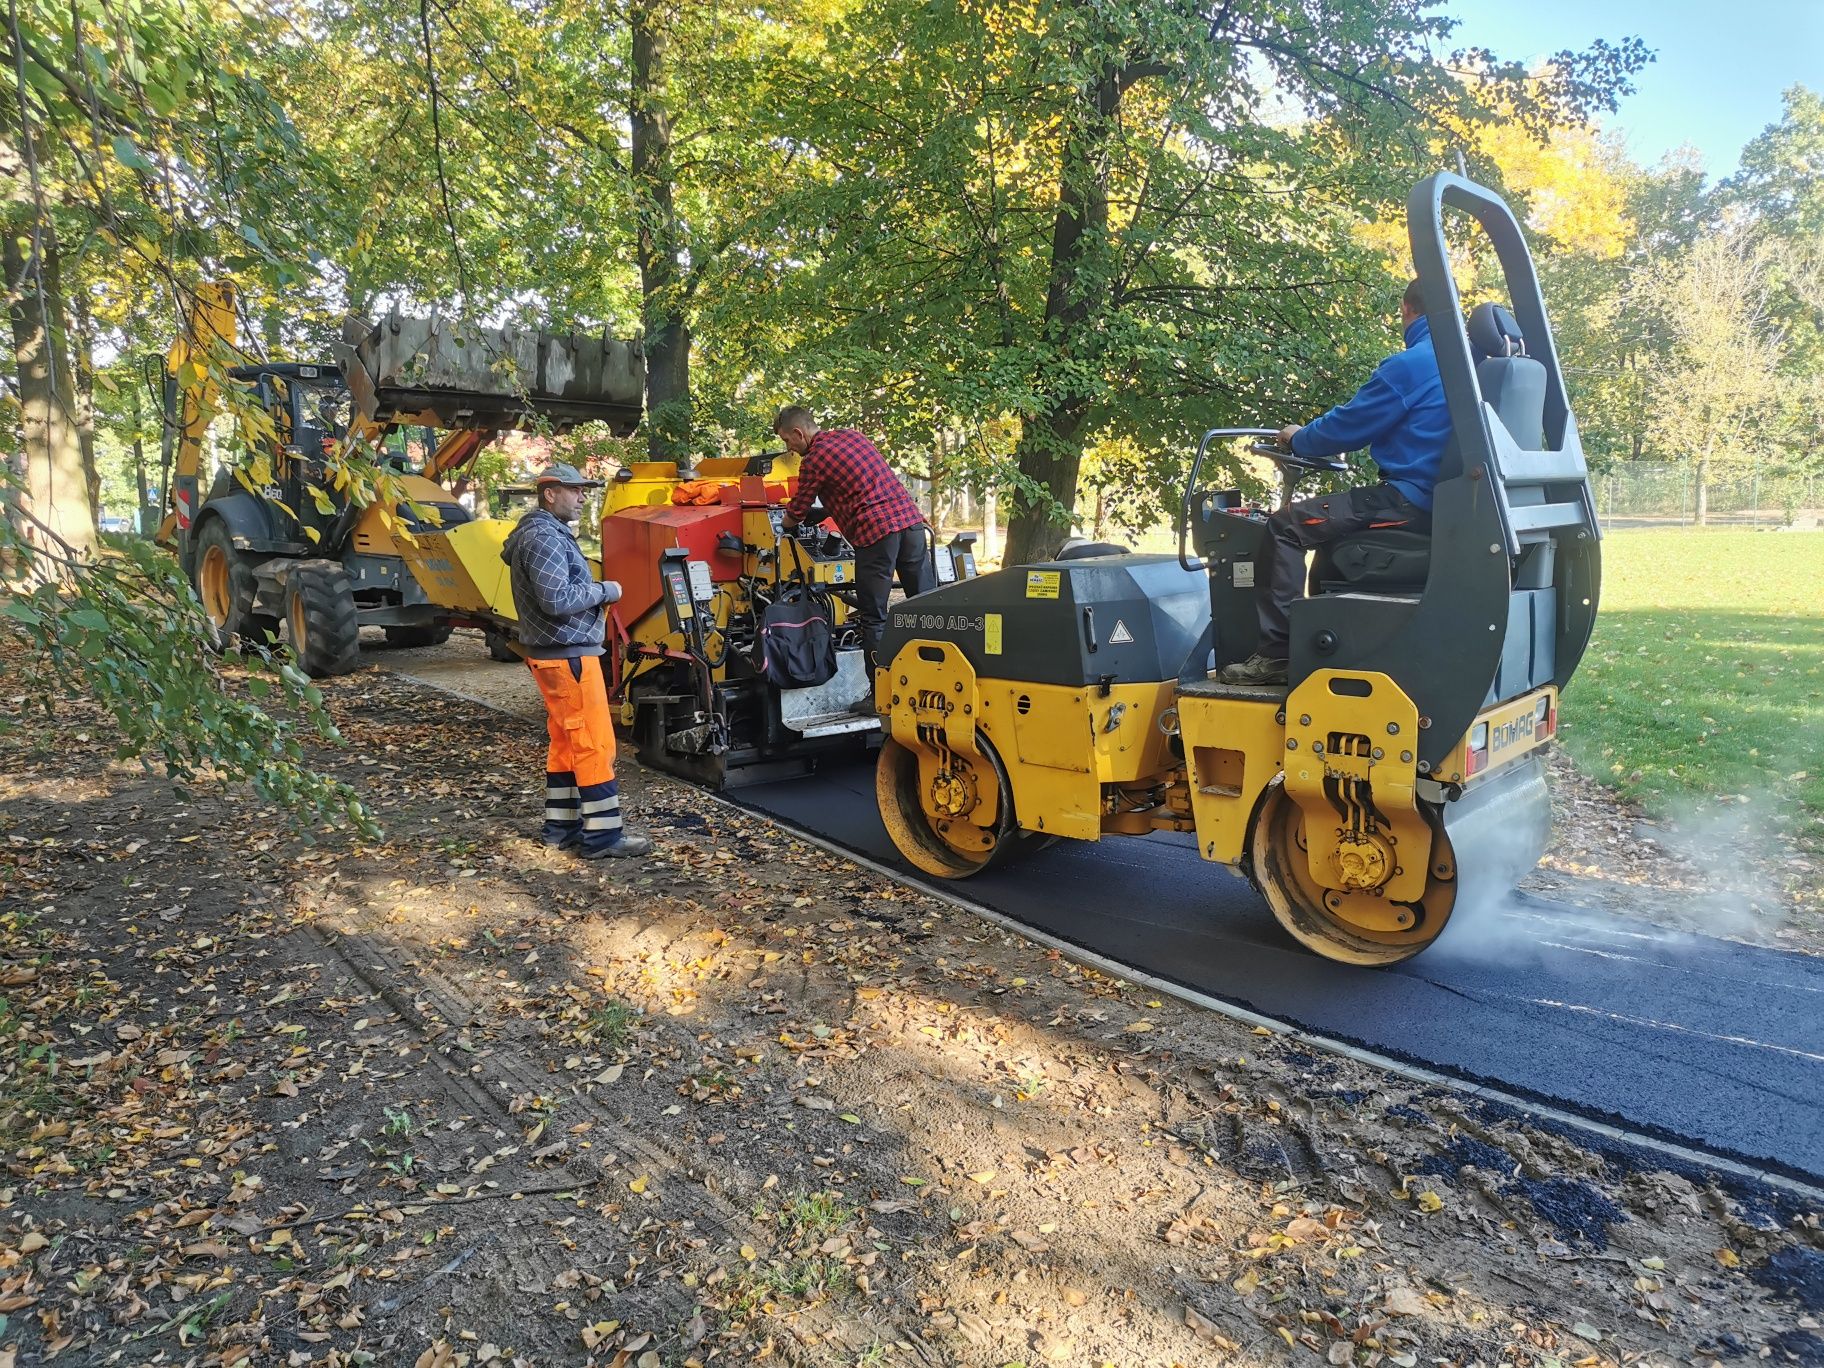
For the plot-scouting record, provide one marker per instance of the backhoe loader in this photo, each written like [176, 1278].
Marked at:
[1400, 775]
[273, 540]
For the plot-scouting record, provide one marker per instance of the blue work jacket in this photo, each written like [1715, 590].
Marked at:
[1399, 415]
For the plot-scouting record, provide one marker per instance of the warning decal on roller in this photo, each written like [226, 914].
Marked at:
[1120, 634]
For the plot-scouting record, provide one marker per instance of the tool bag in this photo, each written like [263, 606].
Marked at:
[797, 641]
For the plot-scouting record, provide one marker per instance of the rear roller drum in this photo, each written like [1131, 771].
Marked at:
[1338, 926]
[952, 848]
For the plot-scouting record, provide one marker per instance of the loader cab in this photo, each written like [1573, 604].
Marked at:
[310, 412]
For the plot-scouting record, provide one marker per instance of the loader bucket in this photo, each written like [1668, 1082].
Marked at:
[460, 567]
[444, 374]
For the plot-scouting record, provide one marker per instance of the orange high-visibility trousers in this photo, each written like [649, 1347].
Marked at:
[582, 800]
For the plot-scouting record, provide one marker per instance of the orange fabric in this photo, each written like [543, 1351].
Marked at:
[697, 492]
[577, 717]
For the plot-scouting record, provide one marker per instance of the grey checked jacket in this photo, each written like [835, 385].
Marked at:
[560, 605]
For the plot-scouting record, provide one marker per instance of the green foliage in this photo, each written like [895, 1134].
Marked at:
[1101, 223]
[126, 634]
[1781, 180]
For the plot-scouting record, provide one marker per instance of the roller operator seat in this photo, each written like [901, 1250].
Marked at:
[1397, 560]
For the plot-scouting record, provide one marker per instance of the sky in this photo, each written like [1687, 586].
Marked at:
[1715, 82]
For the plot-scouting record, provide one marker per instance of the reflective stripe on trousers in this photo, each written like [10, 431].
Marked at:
[580, 791]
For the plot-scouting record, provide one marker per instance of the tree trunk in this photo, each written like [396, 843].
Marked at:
[991, 532]
[1703, 489]
[660, 238]
[939, 450]
[56, 492]
[143, 522]
[82, 355]
[147, 521]
[1050, 452]
[1101, 512]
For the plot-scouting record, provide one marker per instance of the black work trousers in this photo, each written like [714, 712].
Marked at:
[1307, 525]
[908, 552]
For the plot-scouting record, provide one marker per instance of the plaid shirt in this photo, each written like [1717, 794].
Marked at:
[858, 487]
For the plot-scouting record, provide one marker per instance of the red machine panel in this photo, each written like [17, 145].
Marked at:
[633, 538]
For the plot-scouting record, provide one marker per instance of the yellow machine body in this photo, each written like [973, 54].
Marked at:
[461, 569]
[1322, 780]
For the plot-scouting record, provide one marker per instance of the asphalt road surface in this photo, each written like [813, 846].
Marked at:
[1706, 1042]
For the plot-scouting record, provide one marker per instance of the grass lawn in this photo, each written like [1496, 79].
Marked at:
[1705, 677]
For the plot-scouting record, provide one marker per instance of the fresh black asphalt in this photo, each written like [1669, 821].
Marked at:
[1703, 1041]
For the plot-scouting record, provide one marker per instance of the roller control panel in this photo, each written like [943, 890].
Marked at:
[1231, 537]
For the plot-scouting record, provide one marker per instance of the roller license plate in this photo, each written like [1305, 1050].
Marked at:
[1504, 733]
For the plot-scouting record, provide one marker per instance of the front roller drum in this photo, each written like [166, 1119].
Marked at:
[950, 849]
[1482, 845]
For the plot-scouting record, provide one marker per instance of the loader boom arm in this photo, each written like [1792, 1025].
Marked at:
[190, 399]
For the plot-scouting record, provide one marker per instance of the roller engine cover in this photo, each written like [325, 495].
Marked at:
[1101, 620]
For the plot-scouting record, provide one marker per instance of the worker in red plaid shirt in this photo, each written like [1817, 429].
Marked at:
[870, 505]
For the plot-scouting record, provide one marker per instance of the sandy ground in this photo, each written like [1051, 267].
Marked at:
[451, 1098]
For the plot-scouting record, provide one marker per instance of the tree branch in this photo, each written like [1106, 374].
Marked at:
[443, 180]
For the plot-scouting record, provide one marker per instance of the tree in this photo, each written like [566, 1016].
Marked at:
[1715, 400]
[1781, 180]
[56, 487]
[135, 145]
[1121, 222]
[1780, 187]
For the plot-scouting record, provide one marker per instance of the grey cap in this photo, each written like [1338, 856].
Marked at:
[561, 474]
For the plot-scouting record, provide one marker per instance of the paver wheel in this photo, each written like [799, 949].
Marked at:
[421, 634]
[225, 584]
[320, 613]
[500, 647]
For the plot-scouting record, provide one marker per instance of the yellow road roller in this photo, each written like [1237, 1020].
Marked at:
[1397, 778]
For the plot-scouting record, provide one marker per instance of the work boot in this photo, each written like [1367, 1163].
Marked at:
[864, 707]
[561, 838]
[1256, 669]
[631, 846]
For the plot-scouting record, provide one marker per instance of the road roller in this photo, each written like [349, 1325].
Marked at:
[1398, 778]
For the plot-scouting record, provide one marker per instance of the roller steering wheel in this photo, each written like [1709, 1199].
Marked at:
[1293, 467]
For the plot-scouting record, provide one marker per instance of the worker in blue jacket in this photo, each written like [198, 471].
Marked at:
[1401, 417]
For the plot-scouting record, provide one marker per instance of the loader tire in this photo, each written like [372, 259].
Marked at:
[225, 585]
[320, 615]
[419, 634]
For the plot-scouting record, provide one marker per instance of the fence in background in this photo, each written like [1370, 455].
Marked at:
[1639, 494]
